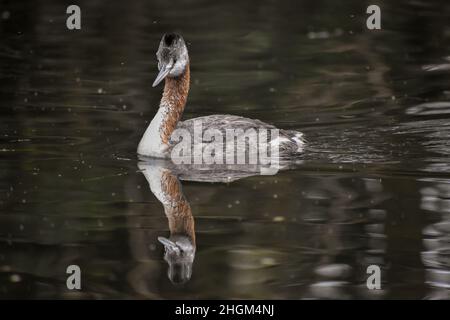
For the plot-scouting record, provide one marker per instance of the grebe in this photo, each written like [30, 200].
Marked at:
[173, 65]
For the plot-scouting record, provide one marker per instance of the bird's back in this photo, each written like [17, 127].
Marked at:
[290, 142]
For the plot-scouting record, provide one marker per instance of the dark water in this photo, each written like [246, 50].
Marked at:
[374, 106]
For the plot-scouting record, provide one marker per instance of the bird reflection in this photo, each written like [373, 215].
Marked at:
[163, 177]
[180, 246]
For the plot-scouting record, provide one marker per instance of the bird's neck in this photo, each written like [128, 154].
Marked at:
[155, 141]
[177, 208]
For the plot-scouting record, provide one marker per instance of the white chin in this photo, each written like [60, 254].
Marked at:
[178, 68]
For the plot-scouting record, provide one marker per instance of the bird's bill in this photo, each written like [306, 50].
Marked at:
[161, 75]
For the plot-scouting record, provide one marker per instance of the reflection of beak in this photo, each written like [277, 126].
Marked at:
[165, 69]
[169, 245]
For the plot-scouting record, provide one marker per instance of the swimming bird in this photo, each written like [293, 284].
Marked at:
[174, 69]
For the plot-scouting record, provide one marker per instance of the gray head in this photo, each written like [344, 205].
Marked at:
[172, 57]
[179, 254]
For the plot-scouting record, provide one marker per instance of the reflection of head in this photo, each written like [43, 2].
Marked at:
[179, 254]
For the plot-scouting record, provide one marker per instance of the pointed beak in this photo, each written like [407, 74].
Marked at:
[169, 245]
[165, 69]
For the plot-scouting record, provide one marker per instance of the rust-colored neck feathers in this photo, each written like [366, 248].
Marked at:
[174, 98]
[178, 210]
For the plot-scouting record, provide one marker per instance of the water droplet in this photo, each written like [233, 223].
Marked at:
[15, 278]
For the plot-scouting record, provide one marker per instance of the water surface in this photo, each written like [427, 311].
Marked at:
[374, 188]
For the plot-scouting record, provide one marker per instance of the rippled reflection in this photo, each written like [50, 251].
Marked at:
[436, 256]
[180, 247]
[162, 177]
